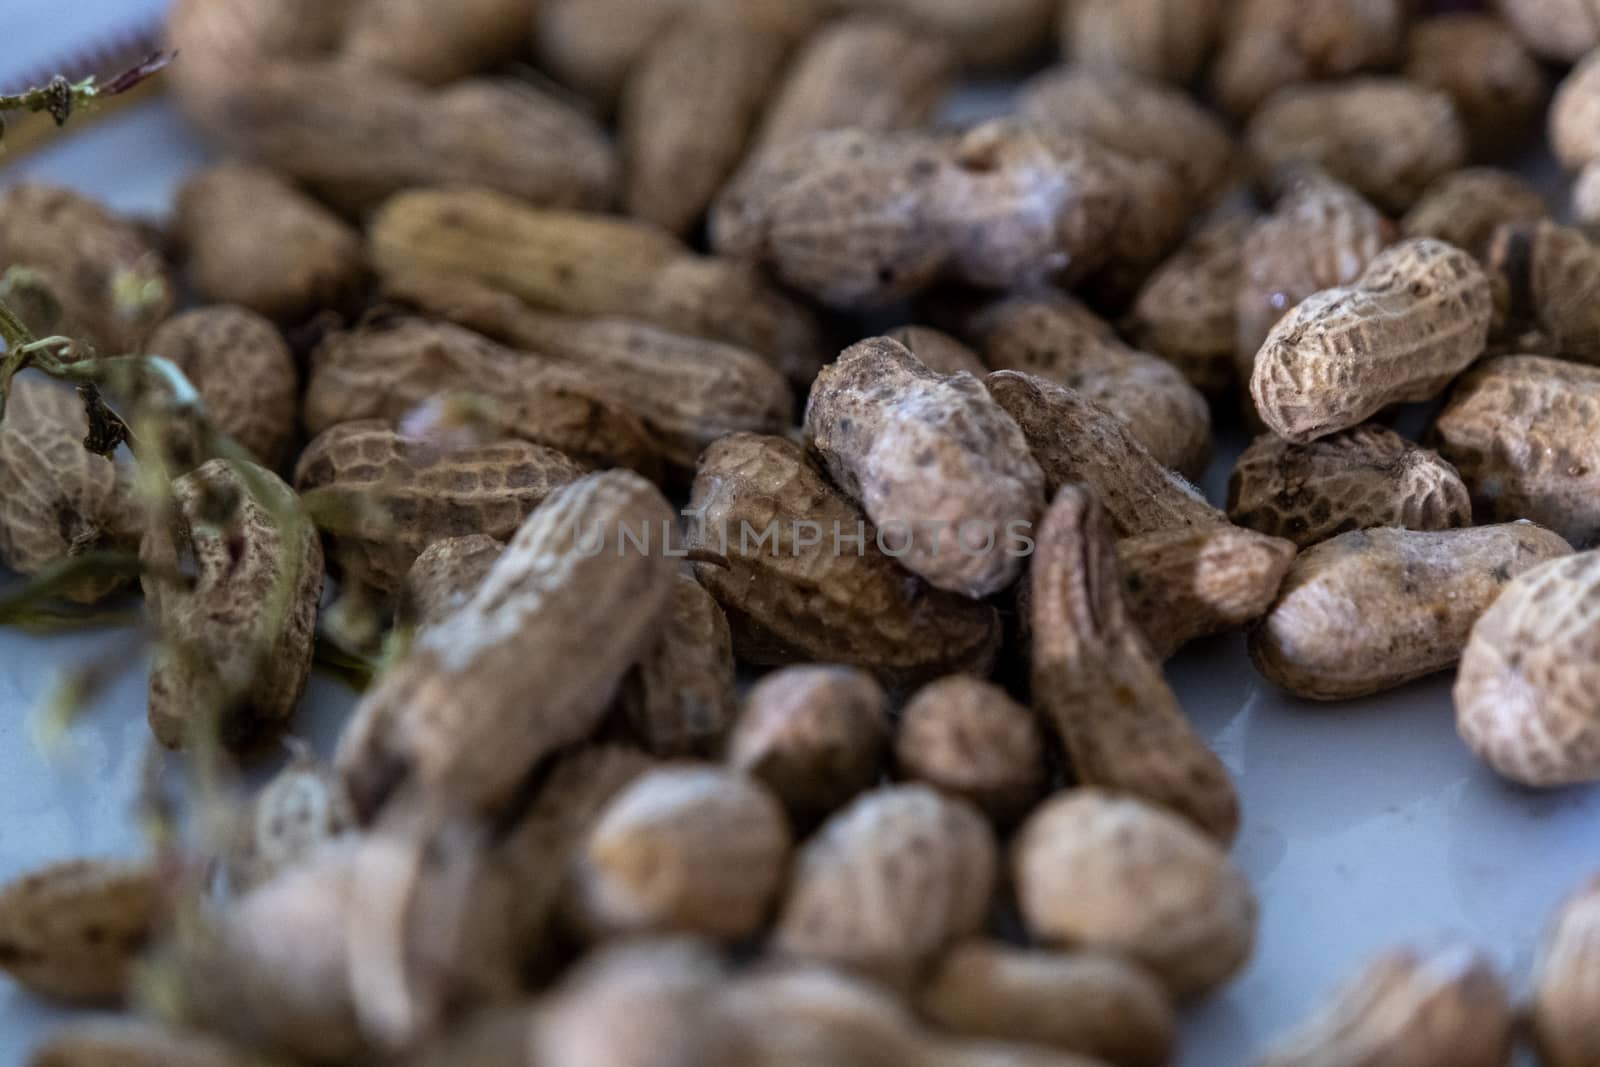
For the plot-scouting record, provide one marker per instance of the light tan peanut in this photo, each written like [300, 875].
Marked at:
[537, 850]
[1270, 44]
[243, 371]
[437, 43]
[411, 371]
[1561, 30]
[1097, 684]
[1191, 582]
[694, 850]
[1574, 111]
[1443, 1005]
[1091, 1003]
[816, 736]
[106, 282]
[1321, 234]
[867, 72]
[1525, 693]
[790, 601]
[998, 35]
[588, 265]
[920, 449]
[254, 240]
[1052, 335]
[688, 110]
[889, 881]
[689, 390]
[968, 738]
[1514, 428]
[236, 645]
[1465, 208]
[1498, 88]
[1586, 198]
[1076, 441]
[1081, 863]
[1547, 277]
[1168, 40]
[633, 1004]
[938, 351]
[1566, 999]
[533, 660]
[591, 45]
[303, 805]
[681, 700]
[1418, 316]
[1352, 480]
[1374, 609]
[73, 930]
[1185, 313]
[139, 1043]
[1138, 118]
[1386, 137]
[398, 495]
[444, 577]
[58, 500]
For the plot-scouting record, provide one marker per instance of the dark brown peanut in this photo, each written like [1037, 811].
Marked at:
[1167, 40]
[1185, 313]
[1499, 89]
[1270, 44]
[968, 738]
[680, 700]
[1465, 208]
[1547, 277]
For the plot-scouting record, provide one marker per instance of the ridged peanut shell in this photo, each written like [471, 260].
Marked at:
[1465, 208]
[445, 576]
[1083, 864]
[1185, 311]
[681, 699]
[1526, 691]
[1352, 480]
[1270, 44]
[968, 738]
[1373, 609]
[793, 603]
[1167, 40]
[916, 447]
[1548, 277]
[1566, 999]
[74, 930]
[889, 881]
[1418, 316]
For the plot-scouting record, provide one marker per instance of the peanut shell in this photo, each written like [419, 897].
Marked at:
[1185, 312]
[1548, 277]
[1574, 110]
[1270, 44]
[445, 576]
[1465, 208]
[967, 738]
[1566, 999]
[1562, 30]
[680, 700]
[73, 930]
[1498, 88]
[138, 1043]
[437, 43]
[938, 351]
[1168, 40]
[998, 36]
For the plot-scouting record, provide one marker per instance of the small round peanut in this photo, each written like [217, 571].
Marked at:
[968, 738]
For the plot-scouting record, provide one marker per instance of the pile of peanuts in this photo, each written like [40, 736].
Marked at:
[529, 313]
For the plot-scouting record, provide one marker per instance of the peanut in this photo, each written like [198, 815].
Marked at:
[887, 882]
[1138, 118]
[968, 738]
[1547, 277]
[789, 600]
[1562, 30]
[997, 36]
[1055, 337]
[1525, 695]
[1498, 88]
[437, 43]
[1270, 44]
[589, 265]
[402, 496]
[1465, 208]
[1321, 234]
[938, 351]
[445, 576]
[1098, 685]
[73, 930]
[1586, 198]
[881, 422]
[1386, 137]
[695, 850]
[1167, 40]
[1081, 864]
[452, 717]
[1566, 1001]
[138, 1043]
[1514, 429]
[1573, 113]
[103, 276]
[1185, 313]
[1417, 317]
[1091, 1003]
[254, 240]
[1428, 588]
[1352, 480]
[57, 499]
[1076, 440]
[244, 372]
[591, 45]
[1445, 1005]
[816, 736]
[680, 700]
[1191, 582]
[302, 806]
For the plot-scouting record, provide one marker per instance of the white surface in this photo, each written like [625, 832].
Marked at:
[1366, 824]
